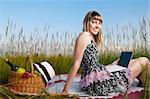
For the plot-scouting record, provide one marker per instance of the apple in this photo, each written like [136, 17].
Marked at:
[26, 75]
[21, 70]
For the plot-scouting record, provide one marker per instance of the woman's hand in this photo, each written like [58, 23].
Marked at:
[116, 61]
[64, 92]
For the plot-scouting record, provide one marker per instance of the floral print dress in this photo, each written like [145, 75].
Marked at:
[96, 80]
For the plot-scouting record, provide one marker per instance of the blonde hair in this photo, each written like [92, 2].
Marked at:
[93, 15]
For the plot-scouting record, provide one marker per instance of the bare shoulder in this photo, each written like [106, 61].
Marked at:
[81, 43]
[83, 38]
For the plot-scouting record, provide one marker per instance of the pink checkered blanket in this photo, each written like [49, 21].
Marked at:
[57, 83]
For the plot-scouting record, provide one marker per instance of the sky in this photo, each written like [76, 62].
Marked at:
[67, 15]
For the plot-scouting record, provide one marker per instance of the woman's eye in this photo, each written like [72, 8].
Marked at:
[93, 21]
[96, 22]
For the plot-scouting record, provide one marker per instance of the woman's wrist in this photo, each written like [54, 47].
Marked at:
[65, 91]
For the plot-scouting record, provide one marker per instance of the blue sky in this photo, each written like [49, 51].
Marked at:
[67, 15]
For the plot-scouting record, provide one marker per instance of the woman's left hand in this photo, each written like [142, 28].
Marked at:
[64, 92]
[116, 61]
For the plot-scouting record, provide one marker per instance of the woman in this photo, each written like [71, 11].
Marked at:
[95, 79]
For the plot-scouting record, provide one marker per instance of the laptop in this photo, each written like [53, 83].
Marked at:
[123, 62]
[125, 58]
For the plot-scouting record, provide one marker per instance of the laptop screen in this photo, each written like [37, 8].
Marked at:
[125, 58]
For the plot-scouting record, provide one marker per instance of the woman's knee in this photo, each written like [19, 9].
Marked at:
[133, 61]
[143, 61]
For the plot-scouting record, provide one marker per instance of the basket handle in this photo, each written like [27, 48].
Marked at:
[25, 64]
[31, 62]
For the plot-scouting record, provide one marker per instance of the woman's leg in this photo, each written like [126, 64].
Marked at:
[144, 75]
[139, 66]
[135, 67]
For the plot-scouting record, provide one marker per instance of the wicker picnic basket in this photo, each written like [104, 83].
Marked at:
[33, 85]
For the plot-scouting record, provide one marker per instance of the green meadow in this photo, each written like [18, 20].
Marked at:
[57, 48]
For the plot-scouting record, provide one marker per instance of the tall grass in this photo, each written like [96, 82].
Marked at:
[127, 37]
[16, 42]
[57, 48]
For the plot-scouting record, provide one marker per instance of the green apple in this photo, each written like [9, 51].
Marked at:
[21, 70]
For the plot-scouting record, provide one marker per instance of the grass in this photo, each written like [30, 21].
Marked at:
[58, 49]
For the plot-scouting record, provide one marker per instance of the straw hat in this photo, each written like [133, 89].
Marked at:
[46, 69]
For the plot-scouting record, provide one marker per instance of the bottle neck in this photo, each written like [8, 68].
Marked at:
[13, 66]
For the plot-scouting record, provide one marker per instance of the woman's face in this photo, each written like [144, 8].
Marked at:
[95, 26]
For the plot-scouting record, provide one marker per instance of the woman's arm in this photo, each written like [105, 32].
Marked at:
[74, 70]
[80, 46]
[116, 61]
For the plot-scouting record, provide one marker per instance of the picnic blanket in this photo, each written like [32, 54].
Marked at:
[57, 83]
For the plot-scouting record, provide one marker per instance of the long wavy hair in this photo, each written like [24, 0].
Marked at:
[89, 16]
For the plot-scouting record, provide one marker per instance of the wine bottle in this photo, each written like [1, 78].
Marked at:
[13, 66]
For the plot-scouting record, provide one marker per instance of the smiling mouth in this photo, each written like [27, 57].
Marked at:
[96, 30]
